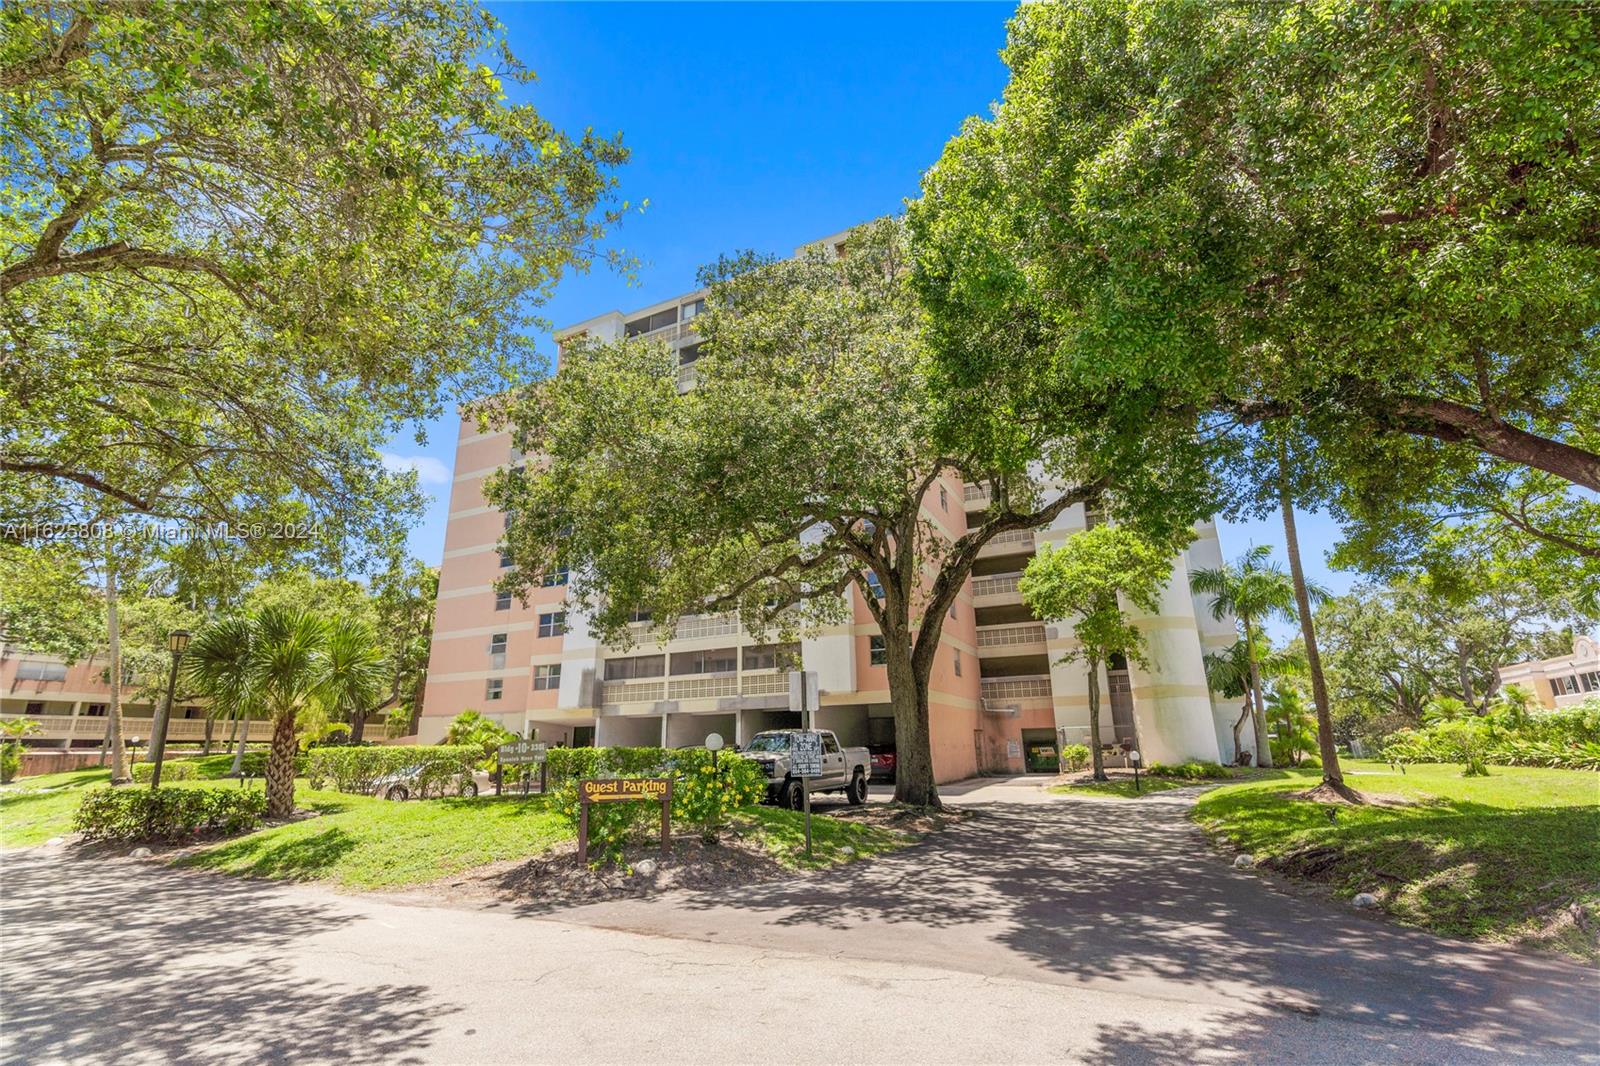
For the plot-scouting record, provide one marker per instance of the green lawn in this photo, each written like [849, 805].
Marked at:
[1122, 788]
[1493, 857]
[362, 842]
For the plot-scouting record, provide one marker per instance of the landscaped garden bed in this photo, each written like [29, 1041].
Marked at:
[1514, 856]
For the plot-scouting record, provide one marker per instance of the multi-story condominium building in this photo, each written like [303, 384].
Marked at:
[1562, 681]
[70, 704]
[1000, 698]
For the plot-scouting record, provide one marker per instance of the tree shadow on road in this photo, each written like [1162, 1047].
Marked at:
[101, 964]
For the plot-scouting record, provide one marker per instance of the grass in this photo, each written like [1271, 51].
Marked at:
[365, 843]
[783, 834]
[1499, 857]
[1120, 787]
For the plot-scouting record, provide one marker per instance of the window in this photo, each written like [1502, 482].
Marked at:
[639, 616]
[502, 601]
[493, 688]
[553, 624]
[547, 677]
[34, 708]
[944, 498]
[874, 584]
[693, 309]
[1591, 681]
[507, 523]
[1564, 686]
[517, 454]
[639, 666]
[771, 657]
[38, 671]
[558, 576]
[714, 661]
[878, 651]
[830, 744]
[650, 323]
[688, 354]
[957, 652]
[95, 710]
[497, 644]
[505, 560]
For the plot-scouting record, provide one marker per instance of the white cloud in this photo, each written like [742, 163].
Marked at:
[430, 471]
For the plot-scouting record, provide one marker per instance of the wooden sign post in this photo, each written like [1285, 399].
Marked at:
[623, 790]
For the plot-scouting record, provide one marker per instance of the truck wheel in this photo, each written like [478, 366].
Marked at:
[857, 792]
[791, 796]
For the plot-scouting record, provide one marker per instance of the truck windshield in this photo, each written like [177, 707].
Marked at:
[769, 742]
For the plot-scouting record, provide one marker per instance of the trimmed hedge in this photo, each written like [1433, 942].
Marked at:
[1193, 770]
[357, 769]
[254, 764]
[166, 814]
[170, 771]
[569, 764]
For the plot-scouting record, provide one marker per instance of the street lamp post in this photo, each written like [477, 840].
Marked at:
[177, 643]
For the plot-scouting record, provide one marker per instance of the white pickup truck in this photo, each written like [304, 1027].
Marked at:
[844, 770]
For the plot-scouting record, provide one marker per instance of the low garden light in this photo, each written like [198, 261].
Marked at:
[1133, 757]
[177, 643]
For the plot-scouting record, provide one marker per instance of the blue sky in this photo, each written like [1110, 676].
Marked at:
[755, 126]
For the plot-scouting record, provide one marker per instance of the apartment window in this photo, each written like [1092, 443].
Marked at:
[502, 601]
[553, 624]
[693, 309]
[493, 689]
[688, 354]
[771, 656]
[650, 323]
[878, 651]
[714, 661]
[639, 616]
[1564, 686]
[507, 522]
[1591, 681]
[636, 667]
[558, 576]
[497, 652]
[40, 671]
[505, 560]
[874, 584]
[517, 454]
[957, 652]
[944, 498]
[34, 708]
[547, 677]
[95, 710]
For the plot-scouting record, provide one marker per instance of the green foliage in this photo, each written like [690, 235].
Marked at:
[1193, 770]
[471, 728]
[166, 814]
[175, 770]
[46, 604]
[1074, 757]
[1083, 579]
[1373, 222]
[707, 790]
[272, 232]
[566, 764]
[444, 767]
[1293, 725]
[10, 760]
[1568, 738]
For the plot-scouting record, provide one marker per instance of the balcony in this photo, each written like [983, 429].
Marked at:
[996, 590]
[1011, 542]
[93, 727]
[762, 683]
[1025, 639]
[713, 625]
[976, 493]
[1012, 689]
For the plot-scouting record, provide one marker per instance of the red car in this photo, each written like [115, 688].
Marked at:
[882, 761]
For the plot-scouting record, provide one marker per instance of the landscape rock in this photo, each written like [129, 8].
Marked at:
[55, 842]
[847, 850]
[1244, 861]
[645, 867]
[139, 853]
[1365, 901]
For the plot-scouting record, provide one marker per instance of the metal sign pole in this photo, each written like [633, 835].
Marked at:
[805, 793]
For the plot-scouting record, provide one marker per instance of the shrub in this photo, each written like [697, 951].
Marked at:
[1075, 757]
[706, 790]
[254, 764]
[567, 764]
[166, 814]
[10, 761]
[358, 769]
[170, 771]
[1567, 739]
[1193, 770]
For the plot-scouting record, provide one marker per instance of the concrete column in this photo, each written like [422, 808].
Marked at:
[1171, 700]
[77, 708]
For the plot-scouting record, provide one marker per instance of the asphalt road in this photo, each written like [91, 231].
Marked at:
[1060, 931]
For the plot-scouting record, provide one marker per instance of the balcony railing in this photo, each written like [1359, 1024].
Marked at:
[633, 691]
[87, 726]
[978, 490]
[702, 688]
[775, 683]
[764, 683]
[995, 584]
[1010, 636]
[1023, 537]
[1016, 688]
[713, 625]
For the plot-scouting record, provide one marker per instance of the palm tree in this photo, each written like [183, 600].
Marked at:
[358, 671]
[217, 666]
[1228, 674]
[275, 663]
[1253, 590]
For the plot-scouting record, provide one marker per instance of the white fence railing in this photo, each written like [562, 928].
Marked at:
[995, 584]
[1016, 688]
[1010, 636]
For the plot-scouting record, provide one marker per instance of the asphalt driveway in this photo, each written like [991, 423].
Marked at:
[1042, 930]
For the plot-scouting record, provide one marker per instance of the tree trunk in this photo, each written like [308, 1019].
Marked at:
[1466, 680]
[1258, 705]
[1095, 754]
[237, 770]
[211, 723]
[913, 748]
[1238, 725]
[358, 726]
[280, 766]
[119, 757]
[1308, 633]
